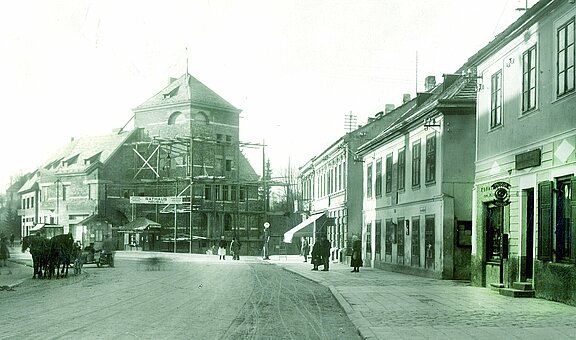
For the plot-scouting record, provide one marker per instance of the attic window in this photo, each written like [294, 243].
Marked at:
[172, 93]
[92, 159]
[70, 161]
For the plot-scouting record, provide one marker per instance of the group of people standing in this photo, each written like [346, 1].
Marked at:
[234, 248]
[321, 253]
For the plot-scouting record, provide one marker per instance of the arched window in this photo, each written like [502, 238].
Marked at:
[227, 222]
[176, 118]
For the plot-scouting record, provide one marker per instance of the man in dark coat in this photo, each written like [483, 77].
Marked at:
[325, 248]
[316, 255]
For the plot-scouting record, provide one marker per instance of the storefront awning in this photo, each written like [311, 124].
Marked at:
[306, 228]
[140, 224]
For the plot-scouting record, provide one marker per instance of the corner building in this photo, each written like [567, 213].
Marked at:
[524, 231]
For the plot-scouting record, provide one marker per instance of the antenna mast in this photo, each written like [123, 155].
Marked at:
[350, 122]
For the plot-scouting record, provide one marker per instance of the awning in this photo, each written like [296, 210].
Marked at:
[40, 226]
[37, 227]
[140, 224]
[304, 229]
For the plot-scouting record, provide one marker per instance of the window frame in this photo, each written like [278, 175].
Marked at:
[401, 165]
[562, 55]
[416, 163]
[369, 180]
[496, 99]
[529, 79]
[389, 166]
[378, 180]
[430, 166]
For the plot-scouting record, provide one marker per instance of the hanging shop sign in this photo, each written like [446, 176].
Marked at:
[501, 193]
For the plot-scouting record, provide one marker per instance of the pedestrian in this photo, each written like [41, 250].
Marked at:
[325, 248]
[356, 261]
[235, 248]
[305, 248]
[12, 240]
[265, 249]
[316, 255]
[222, 248]
[4, 252]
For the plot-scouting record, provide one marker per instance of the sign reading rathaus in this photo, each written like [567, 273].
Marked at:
[155, 200]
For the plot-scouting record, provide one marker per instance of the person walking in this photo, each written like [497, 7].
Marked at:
[356, 261]
[222, 248]
[235, 248]
[325, 248]
[305, 248]
[316, 255]
[12, 240]
[4, 252]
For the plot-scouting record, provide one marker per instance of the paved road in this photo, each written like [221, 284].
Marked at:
[177, 297]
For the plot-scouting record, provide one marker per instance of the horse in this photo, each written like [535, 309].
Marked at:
[39, 249]
[61, 254]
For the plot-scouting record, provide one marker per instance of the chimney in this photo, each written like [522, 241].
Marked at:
[171, 80]
[405, 98]
[388, 108]
[429, 83]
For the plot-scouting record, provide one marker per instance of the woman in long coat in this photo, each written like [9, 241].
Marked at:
[4, 252]
[356, 261]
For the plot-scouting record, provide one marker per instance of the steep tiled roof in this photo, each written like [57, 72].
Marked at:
[83, 152]
[193, 92]
[461, 90]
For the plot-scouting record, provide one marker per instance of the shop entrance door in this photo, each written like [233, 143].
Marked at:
[528, 239]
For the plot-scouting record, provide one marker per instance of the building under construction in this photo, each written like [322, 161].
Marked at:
[189, 173]
[177, 182]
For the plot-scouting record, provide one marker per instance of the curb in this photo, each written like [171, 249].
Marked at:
[361, 324]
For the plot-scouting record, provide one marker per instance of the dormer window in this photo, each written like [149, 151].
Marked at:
[172, 93]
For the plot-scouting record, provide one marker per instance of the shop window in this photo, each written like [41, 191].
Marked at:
[369, 238]
[494, 227]
[378, 237]
[400, 236]
[415, 232]
[389, 233]
[429, 240]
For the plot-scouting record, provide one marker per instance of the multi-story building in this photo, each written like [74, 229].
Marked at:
[181, 169]
[194, 152]
[524, 232]
[417, 214]
[69, 192]
[331, 196]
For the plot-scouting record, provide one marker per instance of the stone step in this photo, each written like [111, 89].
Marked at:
[496, 286]
[522, 285]
[517, 293]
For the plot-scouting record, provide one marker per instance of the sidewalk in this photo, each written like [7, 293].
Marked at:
[18, 268]
[388, 305]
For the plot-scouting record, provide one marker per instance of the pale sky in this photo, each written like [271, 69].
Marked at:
[296, 68]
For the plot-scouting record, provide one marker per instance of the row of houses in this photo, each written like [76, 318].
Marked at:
[471, 179]
[177, 181]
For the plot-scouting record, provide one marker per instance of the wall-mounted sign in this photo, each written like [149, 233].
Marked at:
[155, 200]
[501, 193]
[528, 159]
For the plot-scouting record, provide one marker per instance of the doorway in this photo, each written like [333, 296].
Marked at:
[528, 239]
